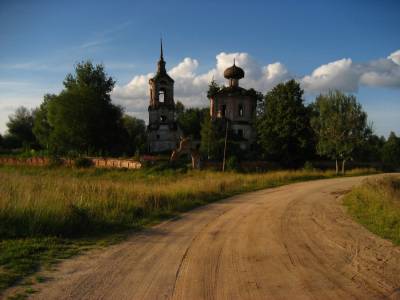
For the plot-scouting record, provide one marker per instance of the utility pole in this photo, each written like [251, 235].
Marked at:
[226, 138]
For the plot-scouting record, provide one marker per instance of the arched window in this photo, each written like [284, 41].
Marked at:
[161, 95]
[163, 118]
[223, 110]
[240, 110]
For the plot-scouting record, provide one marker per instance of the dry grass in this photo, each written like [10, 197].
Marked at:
[37, 201]
[376, 205]
[49, 214]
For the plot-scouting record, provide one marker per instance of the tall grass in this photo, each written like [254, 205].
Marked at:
[65, 202]
[376, 205]
[47, 214]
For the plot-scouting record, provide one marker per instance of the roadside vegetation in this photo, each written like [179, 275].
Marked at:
[376, 205]
[52, 213]
[48, 213]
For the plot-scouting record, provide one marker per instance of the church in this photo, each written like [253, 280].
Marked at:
[232, 103]
[163, 133]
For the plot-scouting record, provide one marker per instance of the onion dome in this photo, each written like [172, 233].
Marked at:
[234, 72]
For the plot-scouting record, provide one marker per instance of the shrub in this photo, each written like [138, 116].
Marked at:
[308, 166]
[83, 162]
[232, 164]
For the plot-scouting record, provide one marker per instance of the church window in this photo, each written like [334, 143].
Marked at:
[241, 112]
[240, 133]
[223, 110]
[163, 118]
[161, 95]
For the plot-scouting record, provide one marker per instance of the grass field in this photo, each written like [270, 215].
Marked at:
[52, 213]
[376, 205]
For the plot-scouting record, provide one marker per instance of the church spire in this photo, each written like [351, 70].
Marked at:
[161, 62]
[161, 50]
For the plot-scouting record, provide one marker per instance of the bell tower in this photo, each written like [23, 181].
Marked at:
[162, 131]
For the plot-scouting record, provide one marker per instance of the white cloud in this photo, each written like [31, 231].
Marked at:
[347, 76]
[339, 74]
[191, 86]
[395, 57]
[382, 72]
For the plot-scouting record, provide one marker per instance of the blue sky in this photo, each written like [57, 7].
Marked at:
[350, 45]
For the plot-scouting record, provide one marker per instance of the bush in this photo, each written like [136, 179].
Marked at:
[232, 164]
[308, 166]
[83, 162]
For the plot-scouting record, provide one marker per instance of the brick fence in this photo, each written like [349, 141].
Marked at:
[97, 162]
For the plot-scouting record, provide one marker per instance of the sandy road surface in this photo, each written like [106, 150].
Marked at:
[291, 242]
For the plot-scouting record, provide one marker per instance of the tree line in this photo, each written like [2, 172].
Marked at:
[82, 119]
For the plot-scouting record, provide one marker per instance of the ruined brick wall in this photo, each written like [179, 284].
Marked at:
[97, 162]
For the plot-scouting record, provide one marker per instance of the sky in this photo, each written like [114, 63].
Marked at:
[353, 46]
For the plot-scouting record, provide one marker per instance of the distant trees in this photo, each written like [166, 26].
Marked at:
[340, 125]
[41, 127]
[283, 125]
[190, 119]
[134, 140]
[81, 119]
[391, 151]
[212, 136]
[370, 150]
[20, 127]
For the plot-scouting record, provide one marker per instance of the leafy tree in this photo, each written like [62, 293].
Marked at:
[340, 125]
[283, 125]
[41, 127]
[10, 142]
[190, 121]
[370, 150]
[179, 108]
[213, 88]
[209, 138]
[391, 151]
[135, 134]
[213, 139]
[20, 126]
[82, 117]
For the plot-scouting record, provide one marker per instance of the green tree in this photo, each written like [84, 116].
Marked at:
[283, 125]
[20, 126]
[208, 137]
[391, 151]
[340, 125]
[213, 139]
[10, 142]
[135, 135]
[82, 117]
[179, 108]
[190, 121]
[370, 150]
[41, 127]
[213, 88]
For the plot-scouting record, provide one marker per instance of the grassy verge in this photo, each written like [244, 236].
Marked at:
[376, 205]
[48, 214]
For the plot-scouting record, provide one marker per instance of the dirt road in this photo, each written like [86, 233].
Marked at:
[291, 242]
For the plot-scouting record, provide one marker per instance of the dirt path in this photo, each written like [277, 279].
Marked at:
[291, 242]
